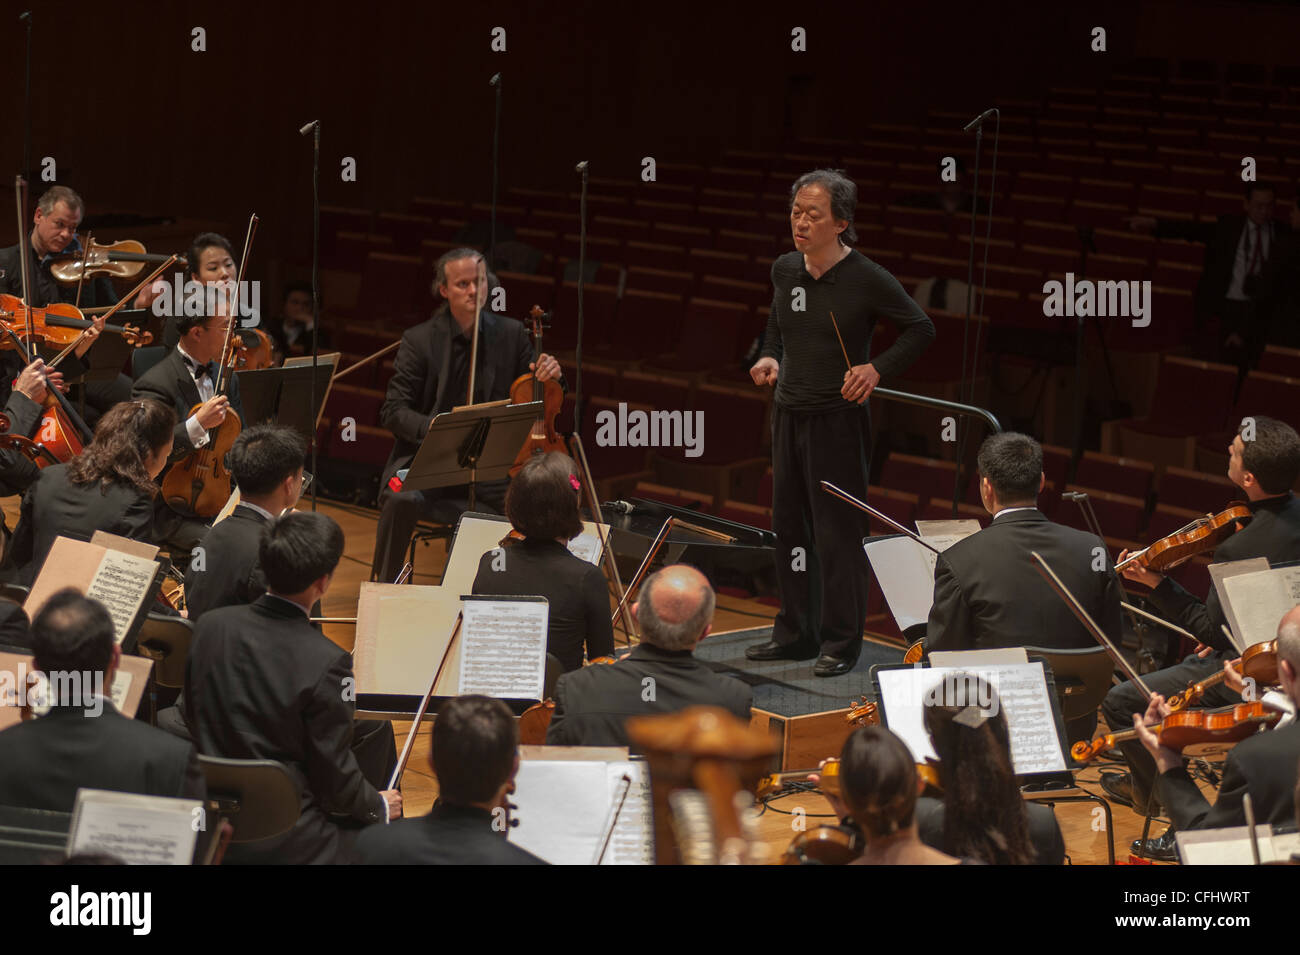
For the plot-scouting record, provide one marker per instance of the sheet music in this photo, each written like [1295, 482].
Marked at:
[941, 535]
[139, 830]
[633, 840]
[1232, 846]
[504, 648]
[587, 546]
[1260, 600]
[905, 571]
[120, 688]
[121, 584]
[1021, 688]
[561, 807]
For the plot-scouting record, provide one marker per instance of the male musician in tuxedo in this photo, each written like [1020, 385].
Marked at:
[1233, 284]
[660, 675]
[474, 752]
[987, 588]
[1264, 765]
[186, 380]
[431, 376]
[54, 233]
[266, 463]
[821, 428]
[84, 742]
[1265, 463]
[262, 683]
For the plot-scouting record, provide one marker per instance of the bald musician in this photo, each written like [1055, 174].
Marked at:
[660, 675]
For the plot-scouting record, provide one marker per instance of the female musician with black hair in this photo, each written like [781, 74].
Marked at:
[542, 505]
[108, 487]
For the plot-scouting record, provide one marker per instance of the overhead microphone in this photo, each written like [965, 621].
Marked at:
[309, 127]
[496, 80]
[581, 167]
[978, 119]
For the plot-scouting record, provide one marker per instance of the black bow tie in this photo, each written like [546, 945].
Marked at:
[198, 371]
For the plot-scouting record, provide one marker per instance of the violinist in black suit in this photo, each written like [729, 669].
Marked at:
[1263, 766]
[660, 675]
[475, 755]
[262, 683]
[1264, 461]
[84, 742]
[108, 487]
[266, 464]
[1235, 284]
[987, 589]
[542, 505]
[186, 381]
[431, 376]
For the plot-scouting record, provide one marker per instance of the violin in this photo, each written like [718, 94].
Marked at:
[250, 357]
[1258, 663]
[1201, 535]
[35, 452]
[58, 324]
[544, 436]
[863, 713]
[119, 260]
[915, 652]
[1187, 728]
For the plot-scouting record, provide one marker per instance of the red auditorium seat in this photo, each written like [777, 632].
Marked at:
[525, 291]
[407, 231]
[710, 336]
[691, 500]
[656, 255]
[611, 462]
[669, 282]
[351, 401]
[1118, 475]
[659, 391]
[940, 509]
[1281, 361]
[390, 285]
[1191, 398]
[741, 513]
[1195, 490]
[371, 445]
[1167, 519]
[1118, 514]
[750, 294]
[899, 505]
[732, 265]
[924, 477]
[1271, 395]
[599, 303]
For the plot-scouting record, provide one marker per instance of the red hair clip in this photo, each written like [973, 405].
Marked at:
[573, 480]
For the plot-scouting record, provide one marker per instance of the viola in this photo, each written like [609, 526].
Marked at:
[1258, 663]
[57, 325]
[1186, 728]
[252, 350]
[915, 652]
[544, 436]
[863, 713]
[1201, 535]
[119, 260]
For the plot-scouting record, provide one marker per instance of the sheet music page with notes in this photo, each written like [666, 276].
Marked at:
[941, 535]
[139, 830]
[121, 583]
[1022, 691]
[587, 546]
[632, 842]
[503, 650]
[1259, 601]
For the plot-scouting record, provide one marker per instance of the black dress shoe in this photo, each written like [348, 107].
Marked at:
[828, 665]
[779, 651]
[1118, 787]
[1163, 849]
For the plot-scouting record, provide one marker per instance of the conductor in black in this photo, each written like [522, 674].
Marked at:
[821, 428]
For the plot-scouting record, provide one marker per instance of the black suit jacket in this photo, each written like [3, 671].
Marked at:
[48, 759]
[55, 507]
[1263, 765]
[1221, 239]
[170, 382]
[17, 472]
[231, 573]
[422, 369]
[593, 704]
[1273, 532]
[448, 835]
[262, 683]
[44, 288]
[576, 592]
[988, 592]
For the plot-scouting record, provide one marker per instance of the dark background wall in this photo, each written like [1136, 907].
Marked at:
[139, 122]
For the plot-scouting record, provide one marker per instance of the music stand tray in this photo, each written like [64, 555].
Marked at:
[283, 395]
[483, 440]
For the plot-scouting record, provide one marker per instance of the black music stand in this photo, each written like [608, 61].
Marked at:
[481, 439]
[283, 395]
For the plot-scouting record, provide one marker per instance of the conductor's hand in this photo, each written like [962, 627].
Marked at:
[394, 798]
[859, 382]
[213, 412]
[1137, 572]
[1144, 224]
[545, 368]
[765, 371]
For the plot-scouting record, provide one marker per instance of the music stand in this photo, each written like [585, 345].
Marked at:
[481, 439]
[283, 395]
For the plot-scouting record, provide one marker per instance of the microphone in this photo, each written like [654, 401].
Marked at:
[496, 80]
[309, 127]
[978, 119]
[620, 507]
[581, 167]
[25, 17]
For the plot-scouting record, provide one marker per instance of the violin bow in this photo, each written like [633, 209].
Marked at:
[233, 308]
[1085, 618]
[85, 259]
[480, 299]
[625, 785]
[843, 495]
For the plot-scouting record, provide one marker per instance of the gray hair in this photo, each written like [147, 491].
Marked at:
[56, 194]
[843, 192]
[672, 636]
[454, 255]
